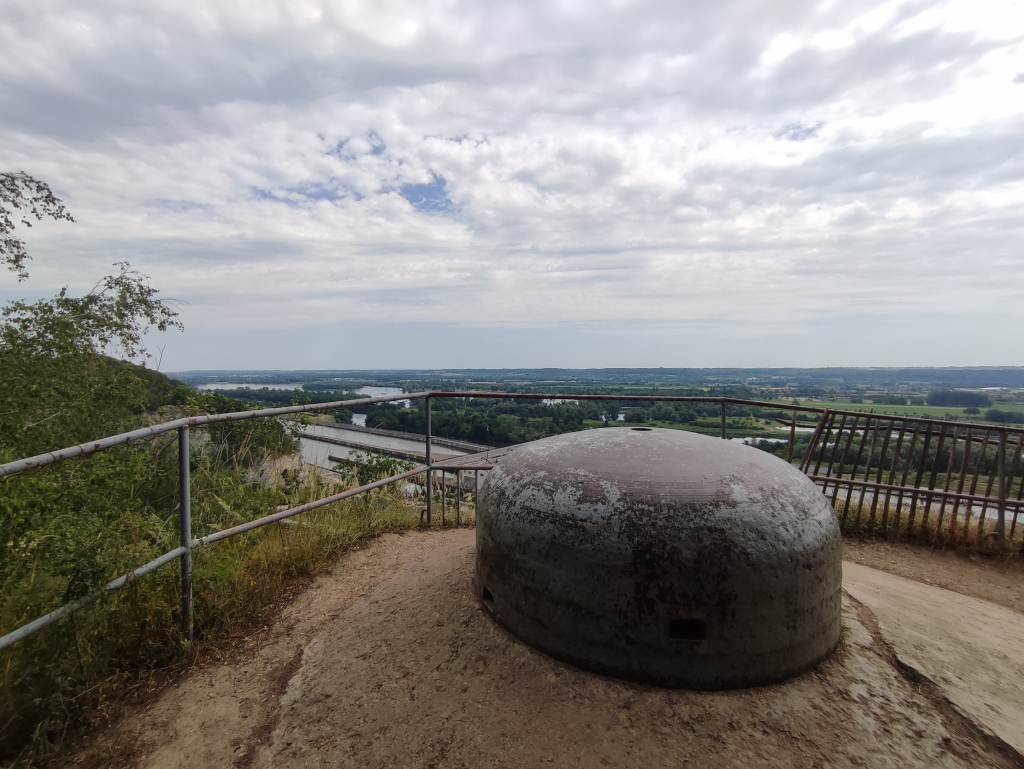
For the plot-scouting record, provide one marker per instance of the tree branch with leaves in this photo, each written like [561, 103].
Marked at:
[114, 316]
[23, 196]
[57, 384]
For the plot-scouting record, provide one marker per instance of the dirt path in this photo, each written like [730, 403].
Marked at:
[992, 579]
[389, 662]
[223, 712]
[973, 650]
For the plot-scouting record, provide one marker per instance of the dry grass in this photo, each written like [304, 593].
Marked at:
[939, 528]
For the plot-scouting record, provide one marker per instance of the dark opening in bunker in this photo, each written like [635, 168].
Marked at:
[640, 429]
[688, 629]
[488, 600]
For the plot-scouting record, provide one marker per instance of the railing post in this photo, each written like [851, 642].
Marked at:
[458, 497]
[430, 485]
[185, 523]
[792, 437]
[1001, 519]
[723, 418]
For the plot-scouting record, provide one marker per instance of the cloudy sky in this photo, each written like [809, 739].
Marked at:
[560, 183]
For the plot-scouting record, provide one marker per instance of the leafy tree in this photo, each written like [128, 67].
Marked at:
[362, 467]
[21, 195]
[161, 389]
[57, 387]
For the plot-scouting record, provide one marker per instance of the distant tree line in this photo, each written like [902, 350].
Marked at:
[959, 398]
[507, 422]
[492, 423]
[894, 400]
[1009, 417]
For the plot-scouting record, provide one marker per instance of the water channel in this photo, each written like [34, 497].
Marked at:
[318, 452]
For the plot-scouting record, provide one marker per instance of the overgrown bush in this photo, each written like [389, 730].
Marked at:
[67, 529]
[890, 518]
[73, 527]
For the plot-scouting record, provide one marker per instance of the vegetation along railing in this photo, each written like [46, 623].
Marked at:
[894, 466]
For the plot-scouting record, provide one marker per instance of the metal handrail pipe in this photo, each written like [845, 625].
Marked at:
[48, 458]
[57, 614]
[184, 423]
[640, 398]
[40, 460]
[930, 421]
[217, 536]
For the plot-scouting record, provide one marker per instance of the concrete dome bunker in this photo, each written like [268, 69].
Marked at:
[661, 556]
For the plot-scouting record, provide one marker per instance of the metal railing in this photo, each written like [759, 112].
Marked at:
[892, 473]
[819, 445]
[188, 543]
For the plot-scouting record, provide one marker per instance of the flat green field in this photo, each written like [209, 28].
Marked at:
[741, 427]
[932, 412]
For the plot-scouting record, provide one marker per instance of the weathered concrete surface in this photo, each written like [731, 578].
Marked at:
[416, 675]
[395, 665]
[973, 650]
[661, 556]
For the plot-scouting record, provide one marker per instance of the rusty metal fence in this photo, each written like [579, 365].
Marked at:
[952, 481]
[863, 455]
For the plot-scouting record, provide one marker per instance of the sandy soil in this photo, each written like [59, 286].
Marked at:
[223, 711]
[989, 578]
[972, 650]
[389, 662]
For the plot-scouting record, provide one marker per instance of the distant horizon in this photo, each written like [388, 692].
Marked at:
[1002, 377]
[585, 368]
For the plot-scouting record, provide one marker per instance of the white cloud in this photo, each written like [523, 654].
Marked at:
[750, 170]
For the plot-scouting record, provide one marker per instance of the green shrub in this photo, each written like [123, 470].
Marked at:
[958, 398]
[1008, 417]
